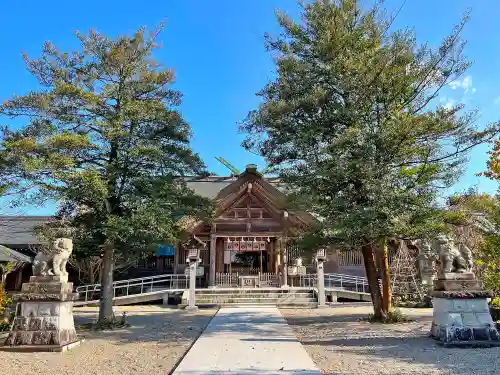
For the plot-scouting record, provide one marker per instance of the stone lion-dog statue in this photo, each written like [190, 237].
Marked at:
[54, 261]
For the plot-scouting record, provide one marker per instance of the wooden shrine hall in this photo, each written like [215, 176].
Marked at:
[245, 243]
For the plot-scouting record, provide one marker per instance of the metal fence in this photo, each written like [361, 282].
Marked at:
[136, 286]
[266, 279]
[333, 280]
[180, 282]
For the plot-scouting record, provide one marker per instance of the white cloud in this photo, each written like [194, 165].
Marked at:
[497, 101]
[450, 103]
[465, 84]
[474, 90]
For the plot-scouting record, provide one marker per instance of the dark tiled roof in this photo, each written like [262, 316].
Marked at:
[209, 187]
[20, 230]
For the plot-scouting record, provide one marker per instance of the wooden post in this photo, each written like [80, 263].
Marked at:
[261, 261]
[212, 261]
[177, 254]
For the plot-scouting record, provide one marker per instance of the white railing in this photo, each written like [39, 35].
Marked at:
[226, 279]
[136, 286]
[180, 282]
[335, 281]
[268, 279]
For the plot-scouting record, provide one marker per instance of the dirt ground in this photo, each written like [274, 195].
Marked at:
[156, 340]
[341, 342]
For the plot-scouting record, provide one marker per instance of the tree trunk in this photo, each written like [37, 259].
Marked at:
[385, 276]
[106, 302]
[4, 280]
[372, 277]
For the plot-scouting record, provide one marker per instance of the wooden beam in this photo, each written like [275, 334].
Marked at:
[244, 219]
[252, 234]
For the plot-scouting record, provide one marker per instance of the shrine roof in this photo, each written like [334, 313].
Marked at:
[209, 187]
[20, 230]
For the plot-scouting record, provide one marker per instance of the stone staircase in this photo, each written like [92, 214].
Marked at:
[291, 298]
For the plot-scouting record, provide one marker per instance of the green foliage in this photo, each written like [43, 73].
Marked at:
[486, 239]
[5, 301]
[495, 309]
[105, 138]
[350, 123]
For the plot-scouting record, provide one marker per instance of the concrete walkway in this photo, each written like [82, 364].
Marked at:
[247, 340]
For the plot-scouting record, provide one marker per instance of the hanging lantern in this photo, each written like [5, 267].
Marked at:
[243, 246]
[256, 246]
[262, 245]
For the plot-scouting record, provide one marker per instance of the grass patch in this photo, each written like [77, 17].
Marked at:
[395, 316]
[104, 325]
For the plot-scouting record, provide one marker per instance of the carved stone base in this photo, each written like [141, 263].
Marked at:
[457, 285]
[44, 317]
[463, 322]
[457, 282]
[41, 348]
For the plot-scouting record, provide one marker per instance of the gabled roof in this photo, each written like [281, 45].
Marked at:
[267, 191]
[20, 230]
[210, 187]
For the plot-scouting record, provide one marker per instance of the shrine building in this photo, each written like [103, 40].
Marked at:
[252, 234]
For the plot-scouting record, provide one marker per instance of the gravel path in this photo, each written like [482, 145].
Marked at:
[157, 338]
[339, 342]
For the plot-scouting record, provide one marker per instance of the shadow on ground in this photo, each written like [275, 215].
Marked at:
[342, 336]
[158, 325]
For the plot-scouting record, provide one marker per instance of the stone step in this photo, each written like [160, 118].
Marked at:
[243, 304]
[252, 291]
[257, 295]
[256, 300]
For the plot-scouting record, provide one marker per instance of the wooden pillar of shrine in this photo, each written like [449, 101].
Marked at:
[211, 280]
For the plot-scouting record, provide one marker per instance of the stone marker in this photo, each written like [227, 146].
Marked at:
[44, 313]
[461, 315]
[192, 260]
[320, 259]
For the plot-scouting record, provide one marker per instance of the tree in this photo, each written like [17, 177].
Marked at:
[105, 138]
[349, 123]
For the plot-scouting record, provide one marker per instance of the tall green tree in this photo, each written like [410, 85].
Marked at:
[350, 124]
[105, 139]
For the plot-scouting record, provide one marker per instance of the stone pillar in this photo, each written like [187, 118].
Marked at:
[192, 286]
[461, 316]
[426, 268]
[212, 250]
[321, 283]
[44, 316]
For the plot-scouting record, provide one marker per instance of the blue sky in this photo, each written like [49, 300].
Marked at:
[217, 50]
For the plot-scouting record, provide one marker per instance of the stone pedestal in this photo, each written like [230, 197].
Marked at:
[44, 316]
[461, 315]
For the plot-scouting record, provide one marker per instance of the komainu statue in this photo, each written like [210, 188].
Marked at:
[453, 258]
[54, 261]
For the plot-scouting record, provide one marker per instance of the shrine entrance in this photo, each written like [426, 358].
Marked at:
[247, 256]
[244, 243]
[248, 262]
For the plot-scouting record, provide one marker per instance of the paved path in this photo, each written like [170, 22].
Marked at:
[247, 340]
